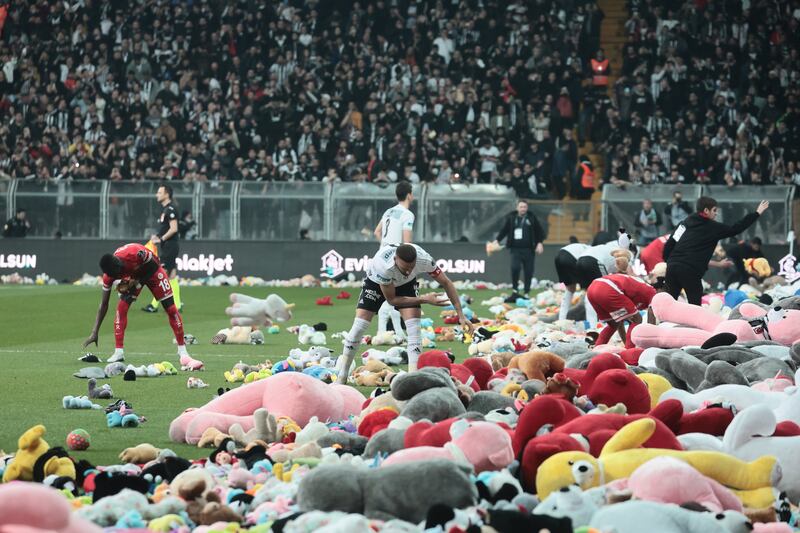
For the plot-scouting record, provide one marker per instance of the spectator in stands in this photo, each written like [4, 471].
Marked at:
[677, 210]
[648, 220]
[18, 225]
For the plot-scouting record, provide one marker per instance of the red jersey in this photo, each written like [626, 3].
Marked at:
[653, 253]
[639, 292]
[133, 256]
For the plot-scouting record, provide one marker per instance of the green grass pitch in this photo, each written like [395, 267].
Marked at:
[42, 329]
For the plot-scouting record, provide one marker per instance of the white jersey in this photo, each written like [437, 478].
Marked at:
[602, 252]
[576, 249]
[383, 270]
[394, 221]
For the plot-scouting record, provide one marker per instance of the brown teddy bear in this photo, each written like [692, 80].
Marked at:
[195, 486]
[537, 364]
[561, 384]
[373, 374]
[501, 360]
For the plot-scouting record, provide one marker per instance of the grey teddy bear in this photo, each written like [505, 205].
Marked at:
[373, 491]
[429, 393]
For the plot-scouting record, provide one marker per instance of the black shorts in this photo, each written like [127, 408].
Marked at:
[566, 267]
[371, 297]
[588, 269]
[168, 255]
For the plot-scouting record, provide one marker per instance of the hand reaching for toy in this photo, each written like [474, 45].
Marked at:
[90, 339]
[467, 325]
[762, 207]
[438, 299]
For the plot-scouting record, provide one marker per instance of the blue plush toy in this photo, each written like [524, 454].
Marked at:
[283, 366]
[426, 323]
[115, 419]
[131, 520]
[318, 372]
[734, 297]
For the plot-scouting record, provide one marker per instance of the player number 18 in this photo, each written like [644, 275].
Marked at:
[164, 283]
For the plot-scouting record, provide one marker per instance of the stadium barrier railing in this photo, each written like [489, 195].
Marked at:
[342, 211]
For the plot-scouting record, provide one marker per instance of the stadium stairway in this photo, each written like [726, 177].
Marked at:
[612, 40]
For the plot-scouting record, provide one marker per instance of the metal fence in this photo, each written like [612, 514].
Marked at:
[348, 211]
[621, 207]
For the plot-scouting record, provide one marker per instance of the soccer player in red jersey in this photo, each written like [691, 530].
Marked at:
[618, 298]
[135, 266]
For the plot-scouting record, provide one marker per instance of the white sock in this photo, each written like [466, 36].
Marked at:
[414, 348]
[566, 301]
[118, 352]
[396, 321]
[383, 316]
[591, 314]
[351, 343]
[182, 350]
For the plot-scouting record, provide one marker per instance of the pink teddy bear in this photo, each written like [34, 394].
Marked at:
[780, 325]
[484, 445]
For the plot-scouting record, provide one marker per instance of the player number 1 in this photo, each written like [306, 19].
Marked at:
[386, 228]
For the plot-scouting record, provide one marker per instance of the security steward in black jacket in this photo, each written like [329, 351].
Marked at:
[691, 245]
[525, 235]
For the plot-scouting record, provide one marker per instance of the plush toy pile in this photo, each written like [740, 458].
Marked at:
[693, 425]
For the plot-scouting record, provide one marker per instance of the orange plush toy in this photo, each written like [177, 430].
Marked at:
[538, 364]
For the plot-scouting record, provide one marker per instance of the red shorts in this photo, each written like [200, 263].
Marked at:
[609, 302]
[158, 284]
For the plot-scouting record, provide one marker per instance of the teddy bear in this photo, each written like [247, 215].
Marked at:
[291, 394]
[105, 512]
[248, 311]
[308, 357]
[568, 502]
[750, 436]
[393, 356]
[484, 445]
[560, 384]
[537, 364]
[428, 393]
[700, 325]
[373, 373]
[784, 405]
[238, 335]
[340, 487]
[669, 480]
[36, 459]
[21, 506]
[627, 517]
[203, 504]
[620, 457]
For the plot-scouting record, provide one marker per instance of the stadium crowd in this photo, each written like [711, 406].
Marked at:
[445, 91]
[376, 91]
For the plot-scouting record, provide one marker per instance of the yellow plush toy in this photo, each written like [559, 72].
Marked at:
[656, 386]
[621, 455]
[31, 447]
[758, 267]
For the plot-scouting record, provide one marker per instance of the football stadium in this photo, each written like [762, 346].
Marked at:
[400, 266]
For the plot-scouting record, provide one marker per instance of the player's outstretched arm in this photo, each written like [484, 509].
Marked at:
[452, 294]
[101, 314]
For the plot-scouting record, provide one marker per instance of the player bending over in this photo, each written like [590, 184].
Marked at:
[392, 277]
[135, 266]
[618, 298]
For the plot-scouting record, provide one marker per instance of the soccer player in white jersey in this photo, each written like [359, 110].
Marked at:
[392, 277]
[395, 227]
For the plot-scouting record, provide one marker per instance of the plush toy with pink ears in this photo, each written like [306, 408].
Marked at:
[697, 325]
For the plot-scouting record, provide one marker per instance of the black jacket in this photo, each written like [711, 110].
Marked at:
[693, 242]
[532, 232]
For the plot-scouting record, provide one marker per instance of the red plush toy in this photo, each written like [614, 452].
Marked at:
[481, 369]
[539, 412]
[620, 386]
[376, 421]
[344, 295]
[437, 358]
[465, 376]
[425, 433]
[325, 300]
[600, 363]
[539, 450]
